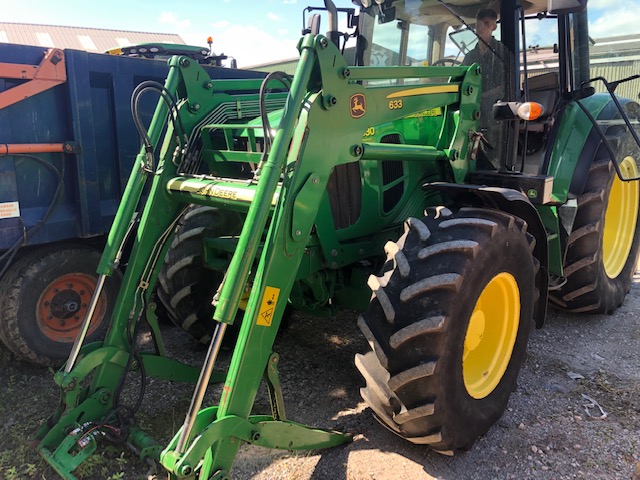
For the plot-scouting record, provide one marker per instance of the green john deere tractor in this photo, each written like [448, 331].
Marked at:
[386, 166]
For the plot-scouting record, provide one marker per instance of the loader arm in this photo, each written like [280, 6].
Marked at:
[283, 202]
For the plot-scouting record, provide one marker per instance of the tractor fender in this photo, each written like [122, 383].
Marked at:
[587, 155]
[575, 143]
[515, 203]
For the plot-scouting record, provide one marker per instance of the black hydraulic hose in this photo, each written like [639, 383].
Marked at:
[603, 137]
[132, 337]
[165, 95]
[133, 353]
[8, 256]
[285, 80]
[611, 87]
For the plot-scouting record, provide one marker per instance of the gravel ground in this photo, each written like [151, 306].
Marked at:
[575, 413]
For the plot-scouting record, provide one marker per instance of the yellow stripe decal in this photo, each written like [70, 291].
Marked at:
[217, 191]
[453, 88]
[432, 112]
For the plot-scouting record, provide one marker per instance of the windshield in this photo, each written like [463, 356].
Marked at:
[421, 33]
[537, 57]
[428, 33]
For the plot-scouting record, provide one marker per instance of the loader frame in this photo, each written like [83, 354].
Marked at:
[291, 194]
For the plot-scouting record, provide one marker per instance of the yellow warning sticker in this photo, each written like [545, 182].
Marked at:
[268, 306]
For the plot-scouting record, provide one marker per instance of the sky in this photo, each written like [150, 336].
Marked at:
[251, 31]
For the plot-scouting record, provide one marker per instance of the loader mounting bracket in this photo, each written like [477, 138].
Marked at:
[261, 430]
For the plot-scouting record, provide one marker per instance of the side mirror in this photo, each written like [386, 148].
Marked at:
[313, 26]
[560, 7]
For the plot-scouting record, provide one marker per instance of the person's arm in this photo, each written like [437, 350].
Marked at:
[468, 59]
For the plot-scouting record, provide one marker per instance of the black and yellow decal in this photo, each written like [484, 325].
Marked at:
[268, 306]
[357, 105]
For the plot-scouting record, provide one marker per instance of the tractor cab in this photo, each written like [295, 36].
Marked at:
[535, 64]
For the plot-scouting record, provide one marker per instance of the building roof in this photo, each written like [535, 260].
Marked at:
[619, 46]
[78, 38]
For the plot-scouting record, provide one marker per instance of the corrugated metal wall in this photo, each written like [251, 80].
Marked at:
[286, 66]
[611, 71]
[618, 71]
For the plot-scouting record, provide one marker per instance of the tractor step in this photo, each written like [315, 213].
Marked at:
[537, 188]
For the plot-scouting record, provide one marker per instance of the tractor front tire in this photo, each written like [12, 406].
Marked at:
[185, 287]
[45, 296]
[448, 324]
[603, 245]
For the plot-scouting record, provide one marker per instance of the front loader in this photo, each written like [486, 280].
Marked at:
[365, 187]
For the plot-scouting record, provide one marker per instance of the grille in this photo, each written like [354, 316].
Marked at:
[391, 171]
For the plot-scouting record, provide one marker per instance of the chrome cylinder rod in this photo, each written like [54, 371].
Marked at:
[85, 325]
[201, 387]
[94, 299]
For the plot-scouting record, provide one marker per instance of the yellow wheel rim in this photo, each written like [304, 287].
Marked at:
[491, 335]
[620, 219]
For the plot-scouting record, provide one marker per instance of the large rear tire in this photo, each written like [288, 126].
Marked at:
[45, 296]
[185, 286]
[603, 246]
[449, 323]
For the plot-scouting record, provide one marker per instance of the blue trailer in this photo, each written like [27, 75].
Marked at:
[67, 145]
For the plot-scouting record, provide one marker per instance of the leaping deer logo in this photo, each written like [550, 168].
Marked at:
[358, 105]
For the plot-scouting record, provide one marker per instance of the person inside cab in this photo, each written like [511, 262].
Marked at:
[492, 56]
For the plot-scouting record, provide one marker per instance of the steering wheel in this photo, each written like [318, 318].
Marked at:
[446, 62]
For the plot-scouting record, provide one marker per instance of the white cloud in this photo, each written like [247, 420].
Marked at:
[290, 2]
[598, 4]
[170, 18]
[618, 21]
[221, 24]
[608, 18]
[274, 17]
[542, 32]
[239, 41]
